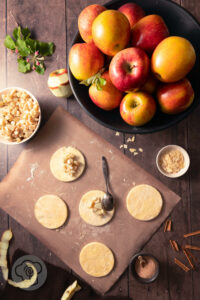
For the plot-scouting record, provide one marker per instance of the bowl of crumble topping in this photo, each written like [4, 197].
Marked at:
[20, 115]
[173, 161]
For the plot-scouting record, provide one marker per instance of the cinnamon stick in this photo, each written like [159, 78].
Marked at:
[174, 245]
[192, 233]
[168, 226]
[181, 265]
[192, 256]
[192, 247]
[188, 258]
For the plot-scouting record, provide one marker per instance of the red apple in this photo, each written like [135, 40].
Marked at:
[150, 84]
[137, 108]
[175, 97]
[133, 12]
[86, 19]
[108, 97]
[149, 32]
[85, 60]
[129, 69]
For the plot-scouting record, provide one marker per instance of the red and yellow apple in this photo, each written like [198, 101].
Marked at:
[85, 60]
[137, 108]
[111, 31]
[175, 97]
[108, 97]
[173, 59]
[148, 32]
[129, 69]
[86, 18]
[133, 12]
[150, 84]
[58, 83]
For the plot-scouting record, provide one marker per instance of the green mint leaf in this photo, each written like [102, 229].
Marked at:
[23, 65]
[102, 81]
[22, 47]
[9, 43]
[17, 32]
[45, 49]
[40, 69]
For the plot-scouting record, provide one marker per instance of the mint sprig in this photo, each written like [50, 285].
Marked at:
[30, 52]
[95, 79]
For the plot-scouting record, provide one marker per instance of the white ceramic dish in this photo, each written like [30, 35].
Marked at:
[3, 139]
[186, 159]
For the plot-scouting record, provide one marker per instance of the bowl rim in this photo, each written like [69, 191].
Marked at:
[134, 129]
[4, 141]
[186, 159]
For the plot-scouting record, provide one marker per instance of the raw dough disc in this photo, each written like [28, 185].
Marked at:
[51, 211]
[144, 202]
[87, 213]
[96, 259]
[57, 163]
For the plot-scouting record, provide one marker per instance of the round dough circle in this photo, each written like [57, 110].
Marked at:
[96, 259]
[87, 213]
[57, 164]
[144, 202]
[51, 211]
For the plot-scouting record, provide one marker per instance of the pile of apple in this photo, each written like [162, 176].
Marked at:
[129, 60]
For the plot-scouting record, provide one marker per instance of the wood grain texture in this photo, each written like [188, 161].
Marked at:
[3, 148]
[49, 20]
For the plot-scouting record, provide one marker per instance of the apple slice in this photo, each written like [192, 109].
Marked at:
[58, 83]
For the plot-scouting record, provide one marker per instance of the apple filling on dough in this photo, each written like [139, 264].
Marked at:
[71, 164]
[96, 206]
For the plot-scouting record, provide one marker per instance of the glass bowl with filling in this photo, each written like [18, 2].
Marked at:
[172, 161]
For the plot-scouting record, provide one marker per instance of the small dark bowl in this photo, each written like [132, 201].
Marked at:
[133, 271]
[181, 23]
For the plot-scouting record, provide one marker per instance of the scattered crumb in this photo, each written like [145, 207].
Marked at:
[117, 133]
[135, 153]
[140, 149]
[123, 146]
[131, 139]
[132, 150]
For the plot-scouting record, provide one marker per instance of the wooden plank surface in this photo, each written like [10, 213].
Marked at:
[49, 20]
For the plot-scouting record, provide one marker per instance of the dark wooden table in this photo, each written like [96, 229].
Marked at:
[56, 20]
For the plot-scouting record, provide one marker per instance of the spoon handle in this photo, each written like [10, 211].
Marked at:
[105, 170]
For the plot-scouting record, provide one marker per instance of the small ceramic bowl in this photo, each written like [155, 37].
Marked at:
[133, 271]
[186, 160]
[3, 140]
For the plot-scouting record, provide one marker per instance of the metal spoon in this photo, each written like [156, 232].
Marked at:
[107, 201]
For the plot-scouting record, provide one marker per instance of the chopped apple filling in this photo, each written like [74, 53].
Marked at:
[71, 164]
[96, 206]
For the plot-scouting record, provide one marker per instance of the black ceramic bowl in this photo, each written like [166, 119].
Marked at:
[180, 23]
[133, 271]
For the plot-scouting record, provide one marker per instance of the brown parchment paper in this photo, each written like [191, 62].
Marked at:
[30, 178]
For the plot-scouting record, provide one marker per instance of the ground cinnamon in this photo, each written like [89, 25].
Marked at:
[148, 269]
